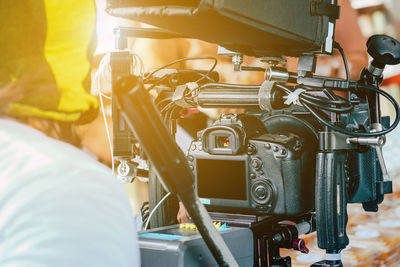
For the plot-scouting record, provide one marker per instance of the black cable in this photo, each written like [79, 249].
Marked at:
[359, 134]
[158, 82]
[312, 107]
[181, 60]
[337, 101]
[338, 105]
[166, 107]
[326, 107]
[391, 100]
[346, 66]
[205, 76]
[145, 211]
[163, 100]
[165, 114]
[333, 98]
[170, 77]
[171, 114]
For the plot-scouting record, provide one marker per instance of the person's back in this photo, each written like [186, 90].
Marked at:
[58, 206]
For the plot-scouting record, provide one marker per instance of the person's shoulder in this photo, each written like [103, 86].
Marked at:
[47, 186]
[16, 137]
[26, 152]
[30, 158]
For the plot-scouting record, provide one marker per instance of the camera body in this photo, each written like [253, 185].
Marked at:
[265, 163]
[239, 167]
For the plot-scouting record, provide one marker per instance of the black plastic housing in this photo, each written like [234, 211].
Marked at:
[331, 201]
[254, 27]
[366, 177]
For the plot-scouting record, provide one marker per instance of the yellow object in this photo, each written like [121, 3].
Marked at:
[70, 28]
[188, 226]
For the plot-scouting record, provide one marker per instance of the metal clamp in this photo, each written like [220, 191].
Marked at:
[264, 95]
[179, 95]
[334, 141]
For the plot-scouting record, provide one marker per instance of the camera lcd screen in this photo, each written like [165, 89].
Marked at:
[221, 179]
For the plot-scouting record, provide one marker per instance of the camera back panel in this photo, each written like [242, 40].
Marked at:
[266, 179]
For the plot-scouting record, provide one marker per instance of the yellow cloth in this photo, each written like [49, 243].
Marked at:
[70, 28]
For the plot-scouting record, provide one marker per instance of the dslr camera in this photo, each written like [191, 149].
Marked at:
[239, 167]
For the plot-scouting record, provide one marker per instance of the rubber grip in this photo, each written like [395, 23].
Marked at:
[331, 201]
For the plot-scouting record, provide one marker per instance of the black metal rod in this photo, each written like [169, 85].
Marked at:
[168, 160]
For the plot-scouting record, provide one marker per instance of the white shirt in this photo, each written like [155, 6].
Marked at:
[58, 206]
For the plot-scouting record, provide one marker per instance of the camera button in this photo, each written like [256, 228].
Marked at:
[256, 163]
[261, 192]
[190, 158]
[251, 149]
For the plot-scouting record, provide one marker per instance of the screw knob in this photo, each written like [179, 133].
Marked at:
[300, 245]
[384, 49]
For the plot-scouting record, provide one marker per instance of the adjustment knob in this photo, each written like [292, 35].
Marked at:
[384, 49]
[300, 245]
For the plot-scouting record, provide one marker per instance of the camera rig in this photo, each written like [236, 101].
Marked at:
[296, 114]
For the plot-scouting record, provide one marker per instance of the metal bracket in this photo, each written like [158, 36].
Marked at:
[179, 96]
[306, 64]
[264, 95]
[325, 9]
[334, 141]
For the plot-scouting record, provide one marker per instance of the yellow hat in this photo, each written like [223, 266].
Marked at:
[49, 39]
